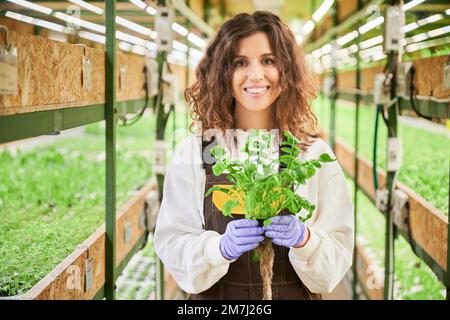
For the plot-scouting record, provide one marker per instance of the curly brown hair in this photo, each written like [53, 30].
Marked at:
[210, 98]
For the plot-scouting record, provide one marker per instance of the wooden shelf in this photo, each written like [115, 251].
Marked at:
[429, 226]
[50, 76]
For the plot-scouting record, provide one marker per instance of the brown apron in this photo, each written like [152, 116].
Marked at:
[243, 280]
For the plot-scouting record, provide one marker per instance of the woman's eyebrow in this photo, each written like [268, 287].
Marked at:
[263, 55]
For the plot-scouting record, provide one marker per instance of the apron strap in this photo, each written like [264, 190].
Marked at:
[207, 159]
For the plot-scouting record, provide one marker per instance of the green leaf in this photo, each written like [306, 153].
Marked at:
[325, 157]
[301, 172]
[291, 138]
[267, 222]
[218, 169]
[285, 159]
[231, 178]
[214, 188]
[218, 152]
[255, 257]
[316, 163]
[310, 171]
[228, 206]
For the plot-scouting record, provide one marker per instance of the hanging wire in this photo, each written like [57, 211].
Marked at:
[128, 122]
[411, 96]
[375, 145]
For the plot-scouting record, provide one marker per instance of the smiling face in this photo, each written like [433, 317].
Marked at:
[255, 74]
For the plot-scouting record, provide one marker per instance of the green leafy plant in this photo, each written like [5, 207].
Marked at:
[258, 186]
[262, 190]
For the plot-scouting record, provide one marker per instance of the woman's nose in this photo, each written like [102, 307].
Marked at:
[255, 72]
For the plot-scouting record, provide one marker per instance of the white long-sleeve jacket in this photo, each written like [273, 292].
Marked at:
[192, 255]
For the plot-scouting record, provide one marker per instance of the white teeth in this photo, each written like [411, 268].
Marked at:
[256, 90]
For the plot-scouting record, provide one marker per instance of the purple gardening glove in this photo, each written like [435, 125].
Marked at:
[241, 235]
[287, 231]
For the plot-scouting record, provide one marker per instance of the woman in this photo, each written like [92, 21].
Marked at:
[253, 76]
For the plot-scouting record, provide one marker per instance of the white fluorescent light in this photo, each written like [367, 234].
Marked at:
[32, 6]
[19, 17]
[151, 46]
[49, 25]
[438, 32]
[194, 53]
[343, 53]
[417, 38]
[138, 50]
[370, 25]
[427, 44]
[411, 4]
[430, 34]
[151, 10]
[326, 48]
[324, 7]
[88, 6]
[347, 38]
[131, 39]
[430, 19]
[180, 29]
[371, 42]
[378, 56]
[177, 54]
[196, 40]
[326, 61]
[36, 22]
[317, 53]
[412, 47]
[125, 46]
[135, 27]
[317, 68]
[173, 60]
[179, 46]
[371, 51]
[422, 22]
[140, 4]
[410, 27]
[353, 48]
[308, 27]
[79, 22]
[92, 36]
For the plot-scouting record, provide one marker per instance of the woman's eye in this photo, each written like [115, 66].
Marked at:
[268, 61]
[239, 63]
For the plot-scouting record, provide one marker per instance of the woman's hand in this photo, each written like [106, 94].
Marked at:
[240, 236]
[287, 231]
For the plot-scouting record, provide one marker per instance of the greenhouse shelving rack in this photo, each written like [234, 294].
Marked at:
[429, 106]
[345, 153]
[26, 125]
[22, 121]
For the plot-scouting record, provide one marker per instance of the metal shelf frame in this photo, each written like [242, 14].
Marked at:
[27, 125]
[425, 105]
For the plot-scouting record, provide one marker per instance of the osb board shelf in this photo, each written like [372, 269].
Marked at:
[346, 8]
[428, 80]
[429, 226]
[370, 275]
[50, 76]
[67, 280]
